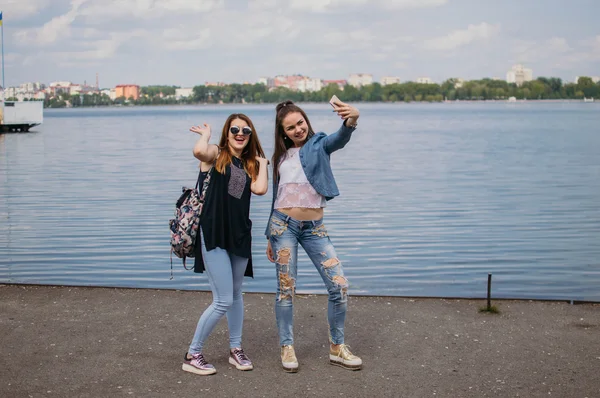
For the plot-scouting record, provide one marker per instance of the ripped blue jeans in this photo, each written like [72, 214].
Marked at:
[284, 234]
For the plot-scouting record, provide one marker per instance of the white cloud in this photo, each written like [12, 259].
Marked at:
[57, 28]
[459, 38]
[181, 39]
[330, 5]
[18, 9]
[100, 10]
[323, 5]
[405, 4]
[537, 51]
[319, 38]
[594, 45]
[556, 53]
[558, 44]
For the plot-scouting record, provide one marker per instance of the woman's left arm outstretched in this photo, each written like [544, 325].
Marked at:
[340, 138]
[347, 112]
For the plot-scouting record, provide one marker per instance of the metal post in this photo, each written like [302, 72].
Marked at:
[489, 292]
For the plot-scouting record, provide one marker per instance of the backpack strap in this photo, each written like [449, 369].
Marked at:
[208, 172]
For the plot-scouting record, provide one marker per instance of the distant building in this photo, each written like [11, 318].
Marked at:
[128, 91]
[389, 80]
[340, 83]
[595, 79]
[111, 93]
[32, 87]
[309, 84]
[292, 82]
[75, 89]
[215, 84]
[519, 75]
[360, 79]
[26, 91]
[57, 88]
[424, 80]
[458, 82]
[183, 93]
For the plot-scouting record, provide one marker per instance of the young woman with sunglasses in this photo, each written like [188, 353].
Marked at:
[302, 184]
[224, 239]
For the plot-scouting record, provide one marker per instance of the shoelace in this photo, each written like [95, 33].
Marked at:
[240, 354]
[345, 348]
[288, 352]
[200, 359]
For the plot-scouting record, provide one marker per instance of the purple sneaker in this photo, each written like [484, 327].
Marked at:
[198, 365]
[238, 358]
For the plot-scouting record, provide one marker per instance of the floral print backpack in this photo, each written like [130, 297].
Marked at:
[184, 227]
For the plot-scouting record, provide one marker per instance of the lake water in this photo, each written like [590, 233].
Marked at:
[433, 198]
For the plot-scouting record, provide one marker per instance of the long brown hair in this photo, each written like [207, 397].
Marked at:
[282, 143]
[249, 154]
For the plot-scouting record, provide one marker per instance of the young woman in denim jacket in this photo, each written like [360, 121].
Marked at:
[302, 184]
[224, 240]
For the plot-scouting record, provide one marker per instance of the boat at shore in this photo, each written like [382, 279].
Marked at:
[588, 99]
[21, 116]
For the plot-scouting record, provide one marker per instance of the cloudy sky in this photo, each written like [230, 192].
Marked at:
[189, 42]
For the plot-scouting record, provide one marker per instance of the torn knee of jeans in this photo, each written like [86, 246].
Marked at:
[340, 281]
[287, 286]
[332, 262]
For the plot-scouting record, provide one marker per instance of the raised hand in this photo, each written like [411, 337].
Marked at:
[346, 111]
[262, 161]
[203, 131]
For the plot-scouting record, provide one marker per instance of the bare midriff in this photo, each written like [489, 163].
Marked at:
[303, 213]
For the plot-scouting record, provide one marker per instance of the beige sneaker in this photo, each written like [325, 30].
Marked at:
[341, 356]
[288, 359]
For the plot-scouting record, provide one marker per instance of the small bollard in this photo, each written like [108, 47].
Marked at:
[489, 292]
[489, 308]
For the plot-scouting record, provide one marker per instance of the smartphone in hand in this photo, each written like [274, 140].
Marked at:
[334, 101]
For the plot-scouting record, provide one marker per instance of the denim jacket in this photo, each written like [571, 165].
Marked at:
[314, 157]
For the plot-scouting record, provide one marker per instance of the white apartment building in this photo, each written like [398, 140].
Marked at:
[31, 87]
[424, 80]
[75, 89]
[56, 88]
[389, 80]
[519, 75]
[360, 79]
[263, 80]
[309, 84]
[183, 93]
[24, 91]
[110, 92]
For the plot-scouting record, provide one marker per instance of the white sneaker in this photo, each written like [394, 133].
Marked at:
[288, 359]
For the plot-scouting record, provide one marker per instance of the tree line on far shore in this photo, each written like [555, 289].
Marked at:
[541, 88]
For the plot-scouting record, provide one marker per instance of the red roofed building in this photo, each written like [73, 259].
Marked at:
[340, 83]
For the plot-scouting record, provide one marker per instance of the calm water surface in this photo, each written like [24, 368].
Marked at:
[433, 198]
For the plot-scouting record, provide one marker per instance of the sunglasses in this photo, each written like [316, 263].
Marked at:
[235, 130]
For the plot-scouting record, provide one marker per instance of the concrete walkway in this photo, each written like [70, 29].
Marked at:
[104, 342]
